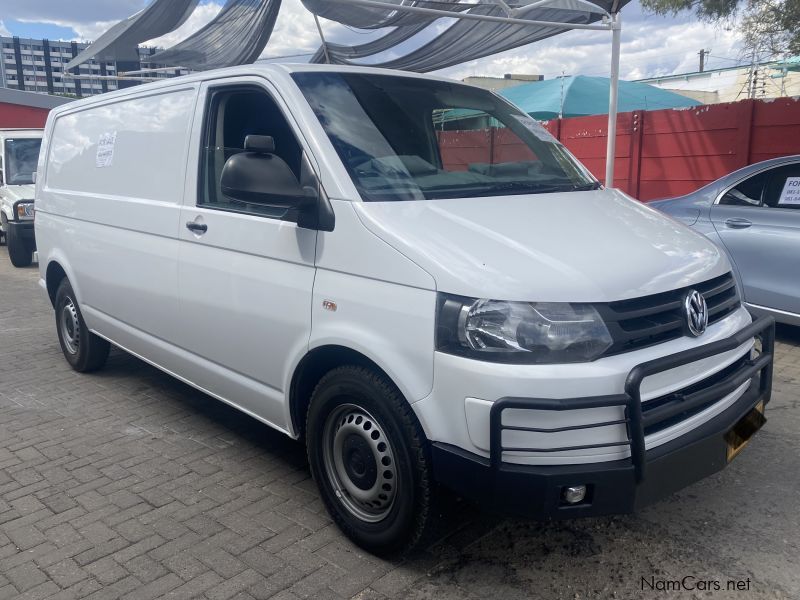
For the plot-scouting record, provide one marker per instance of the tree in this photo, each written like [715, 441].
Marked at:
[768, 26]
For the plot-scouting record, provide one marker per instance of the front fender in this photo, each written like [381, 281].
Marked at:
[390, 324]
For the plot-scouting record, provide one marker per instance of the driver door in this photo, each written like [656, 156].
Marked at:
[245, 272]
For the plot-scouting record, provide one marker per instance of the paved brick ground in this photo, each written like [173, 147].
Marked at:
[128, 484]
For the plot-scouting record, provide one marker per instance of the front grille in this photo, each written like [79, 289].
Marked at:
[666, 411]
[649, 320]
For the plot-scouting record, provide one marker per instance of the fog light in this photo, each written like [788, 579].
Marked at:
[574, 494]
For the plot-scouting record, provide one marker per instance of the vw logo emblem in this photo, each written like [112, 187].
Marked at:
[696, 313]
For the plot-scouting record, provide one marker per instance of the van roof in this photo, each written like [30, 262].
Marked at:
[243, 70]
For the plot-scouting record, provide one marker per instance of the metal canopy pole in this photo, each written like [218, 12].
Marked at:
[322, 37]
[611, 148]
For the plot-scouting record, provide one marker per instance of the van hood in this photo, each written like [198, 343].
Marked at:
[13, 193]
[595, 246]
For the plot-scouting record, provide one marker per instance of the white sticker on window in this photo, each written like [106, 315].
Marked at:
[791, 192]
[535, 128]
[105, 150]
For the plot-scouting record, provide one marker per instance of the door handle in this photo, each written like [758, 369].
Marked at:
[737, 223]
[198, 228]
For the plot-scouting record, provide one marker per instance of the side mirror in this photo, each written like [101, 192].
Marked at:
[257, 176]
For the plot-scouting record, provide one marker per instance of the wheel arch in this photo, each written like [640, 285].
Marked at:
[55, 273]
[312, 367]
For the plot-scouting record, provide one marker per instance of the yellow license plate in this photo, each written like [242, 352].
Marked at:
[741, 433]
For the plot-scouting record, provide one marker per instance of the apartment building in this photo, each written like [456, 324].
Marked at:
[36, 65]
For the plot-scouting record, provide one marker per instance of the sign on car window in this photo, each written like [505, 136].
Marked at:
[790, 196]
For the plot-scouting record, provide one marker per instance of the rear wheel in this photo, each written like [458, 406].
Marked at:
[19, 250]
[370, 460]
[83, 350]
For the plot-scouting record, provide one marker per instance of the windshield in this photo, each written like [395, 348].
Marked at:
[404, 138]
[21, 158]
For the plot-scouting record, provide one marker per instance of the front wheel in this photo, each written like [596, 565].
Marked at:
[83, 350]
[370, 460]
[19, 250]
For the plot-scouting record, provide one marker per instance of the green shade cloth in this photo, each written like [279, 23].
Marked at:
[790, 64]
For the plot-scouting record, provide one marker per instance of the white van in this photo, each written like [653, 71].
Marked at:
[411, 275]
[19, 154]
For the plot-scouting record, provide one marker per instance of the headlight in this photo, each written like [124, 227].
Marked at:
[25, 210]
[520, 332]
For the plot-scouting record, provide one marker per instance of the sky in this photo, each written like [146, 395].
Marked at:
[651, 45]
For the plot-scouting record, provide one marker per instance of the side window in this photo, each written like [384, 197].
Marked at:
[231, 115]
[783, 189]
[748, 192]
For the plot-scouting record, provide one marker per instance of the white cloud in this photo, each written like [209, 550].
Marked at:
[3, 30]
[88, 32]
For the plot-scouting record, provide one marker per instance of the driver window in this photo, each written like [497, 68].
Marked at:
[232, 115]
[747, 193]
[783, 189]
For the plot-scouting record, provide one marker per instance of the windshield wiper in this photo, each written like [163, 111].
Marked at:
[525, 188]
[585, 187]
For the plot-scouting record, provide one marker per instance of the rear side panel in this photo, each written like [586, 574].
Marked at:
[109, 204]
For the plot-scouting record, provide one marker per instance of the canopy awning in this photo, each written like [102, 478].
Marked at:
[481, 28]
[237, 36]
[121, 42]
[477, 28]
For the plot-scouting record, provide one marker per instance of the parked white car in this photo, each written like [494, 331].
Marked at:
[296, 241]
[19, 154]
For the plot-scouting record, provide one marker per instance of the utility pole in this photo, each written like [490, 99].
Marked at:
[703, 54]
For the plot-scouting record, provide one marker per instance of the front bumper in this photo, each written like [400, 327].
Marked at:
[619, 486]
[23, 229]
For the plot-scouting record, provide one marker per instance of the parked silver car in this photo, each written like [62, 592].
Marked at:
[754, 214]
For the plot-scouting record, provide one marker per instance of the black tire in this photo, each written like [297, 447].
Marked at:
[19, 251]
[404, 517]
[84, 351]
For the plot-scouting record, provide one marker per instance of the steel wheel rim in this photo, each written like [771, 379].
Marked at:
[70, 326]
[354, 442]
